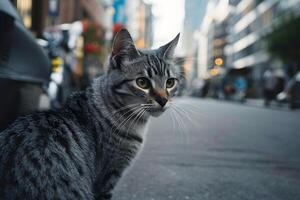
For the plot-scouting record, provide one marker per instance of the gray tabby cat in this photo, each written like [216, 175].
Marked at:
[81, 150]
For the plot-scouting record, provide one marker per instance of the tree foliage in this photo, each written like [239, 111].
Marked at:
[283, 41]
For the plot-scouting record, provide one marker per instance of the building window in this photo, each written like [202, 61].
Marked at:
[266, 17]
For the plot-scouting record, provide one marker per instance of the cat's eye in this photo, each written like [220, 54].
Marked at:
[170, 82]
[143, 83]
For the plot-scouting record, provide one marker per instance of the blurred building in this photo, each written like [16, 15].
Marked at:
[38, 14]
[232, 34]
[146, 25]
[212, 37]
[250, 21]
[102, 18]
[194, 13]
[139, 22]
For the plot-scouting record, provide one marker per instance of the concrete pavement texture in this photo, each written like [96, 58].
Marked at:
[217, 151]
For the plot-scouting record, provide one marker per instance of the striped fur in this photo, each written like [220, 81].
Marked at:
[81, 150]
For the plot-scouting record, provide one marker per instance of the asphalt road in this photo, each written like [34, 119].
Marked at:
[217, 151]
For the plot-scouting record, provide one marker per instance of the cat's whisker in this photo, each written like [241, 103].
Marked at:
[121, 119]
[179, 126]
[130, 120]
[139, 115]
[197, 113]
[187, 114]
[127, 120]
[133, 110]
[172, 113]
[172, 119]
[192, 108]
[117, 115]
[116, 128]
[133, 121]
[182, 124]
[184, 113]
[136, 119]
[123, 123]
[130, 106]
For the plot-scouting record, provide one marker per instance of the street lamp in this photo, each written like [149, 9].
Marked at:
[219, 61]
[215, 71]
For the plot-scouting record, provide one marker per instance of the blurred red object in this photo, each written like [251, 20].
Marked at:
[91, 48]
[117, 27]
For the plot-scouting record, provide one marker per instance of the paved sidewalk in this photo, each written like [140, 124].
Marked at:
[260, 103]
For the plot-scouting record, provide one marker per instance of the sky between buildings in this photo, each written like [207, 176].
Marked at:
[174, 16]
[168, 20]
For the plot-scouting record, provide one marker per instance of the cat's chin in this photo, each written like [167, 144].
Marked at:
[156, 113]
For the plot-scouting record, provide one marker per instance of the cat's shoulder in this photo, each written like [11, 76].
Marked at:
[35, 122]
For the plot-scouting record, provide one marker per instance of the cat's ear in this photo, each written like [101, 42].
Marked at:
[167, 51]
[123, 46]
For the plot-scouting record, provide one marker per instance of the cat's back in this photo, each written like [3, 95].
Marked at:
[41, 157]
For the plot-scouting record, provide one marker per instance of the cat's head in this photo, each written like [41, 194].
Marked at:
[147, 78]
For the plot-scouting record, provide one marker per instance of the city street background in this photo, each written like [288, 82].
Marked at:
[234, 133]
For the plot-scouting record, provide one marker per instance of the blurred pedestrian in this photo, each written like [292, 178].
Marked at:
[270, 86]
[205, 88]
[241, 85]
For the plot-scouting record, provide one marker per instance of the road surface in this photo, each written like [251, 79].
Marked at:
[217, 151]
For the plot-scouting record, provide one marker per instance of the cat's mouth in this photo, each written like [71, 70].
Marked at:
[156, 112]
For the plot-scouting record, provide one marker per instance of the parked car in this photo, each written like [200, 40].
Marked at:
[291, 93]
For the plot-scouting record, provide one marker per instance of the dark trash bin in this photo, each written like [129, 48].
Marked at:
[24, 67]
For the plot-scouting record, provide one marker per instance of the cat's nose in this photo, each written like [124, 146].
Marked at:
[161, 101]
